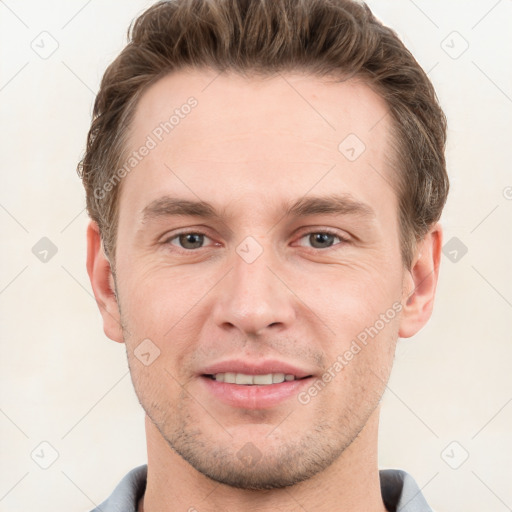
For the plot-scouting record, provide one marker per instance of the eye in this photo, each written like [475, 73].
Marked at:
[189, 241]
[323, 239]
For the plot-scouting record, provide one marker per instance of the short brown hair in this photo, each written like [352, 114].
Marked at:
[322, 37]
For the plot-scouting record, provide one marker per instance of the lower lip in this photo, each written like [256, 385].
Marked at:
[254, 396]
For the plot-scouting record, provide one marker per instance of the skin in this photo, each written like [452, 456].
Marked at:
[249, 146]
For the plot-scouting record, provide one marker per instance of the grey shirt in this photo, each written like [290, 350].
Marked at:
[400, 492]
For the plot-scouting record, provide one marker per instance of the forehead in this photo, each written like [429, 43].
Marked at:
[298, 105]
[211, 133]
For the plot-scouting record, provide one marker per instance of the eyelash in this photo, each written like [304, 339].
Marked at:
[342, 239]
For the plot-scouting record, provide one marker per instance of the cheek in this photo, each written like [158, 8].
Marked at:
[169, 309]
[156, 299]
[157, 387]
[349, 298]
[362, 363]
[362, 313]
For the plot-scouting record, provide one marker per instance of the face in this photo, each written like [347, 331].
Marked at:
[289, 264]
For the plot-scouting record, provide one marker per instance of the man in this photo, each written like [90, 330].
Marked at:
[265, 180]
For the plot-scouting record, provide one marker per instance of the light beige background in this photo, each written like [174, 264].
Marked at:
[65, 383]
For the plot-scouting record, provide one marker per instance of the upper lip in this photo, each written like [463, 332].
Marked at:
[256, 368]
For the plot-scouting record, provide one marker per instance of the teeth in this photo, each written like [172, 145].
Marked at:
[240, 378]
[229, 377]
[277, 378]
[262, 379]
[245, 379]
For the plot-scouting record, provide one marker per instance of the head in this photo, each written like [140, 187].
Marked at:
[312, 146]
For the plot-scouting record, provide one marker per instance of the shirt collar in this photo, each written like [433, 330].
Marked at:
[400, 492]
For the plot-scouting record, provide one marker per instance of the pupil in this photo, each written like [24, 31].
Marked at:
[322, 238]
[191, 240]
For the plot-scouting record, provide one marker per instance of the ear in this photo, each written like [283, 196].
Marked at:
[102, 281]
[420, 283]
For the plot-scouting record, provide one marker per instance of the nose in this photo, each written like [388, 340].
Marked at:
[254, 297]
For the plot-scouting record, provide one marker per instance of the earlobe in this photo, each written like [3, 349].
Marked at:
[421, 282]
[102, 282]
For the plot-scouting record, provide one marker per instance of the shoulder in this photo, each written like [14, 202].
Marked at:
[127, 493]
[401, 492]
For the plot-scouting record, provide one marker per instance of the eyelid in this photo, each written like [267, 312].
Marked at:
[319, 229]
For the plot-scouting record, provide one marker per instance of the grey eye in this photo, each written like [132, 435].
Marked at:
[190, 240]
[321, 240]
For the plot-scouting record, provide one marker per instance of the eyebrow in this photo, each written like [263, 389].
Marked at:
[168, 206]
[333, 204]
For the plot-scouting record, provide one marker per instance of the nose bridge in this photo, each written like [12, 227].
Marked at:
[252, 297]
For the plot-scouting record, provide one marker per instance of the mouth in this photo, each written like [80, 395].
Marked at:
[253, 391]
[256, 383]
[244, 379]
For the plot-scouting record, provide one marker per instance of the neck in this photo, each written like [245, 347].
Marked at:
[350, 484]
